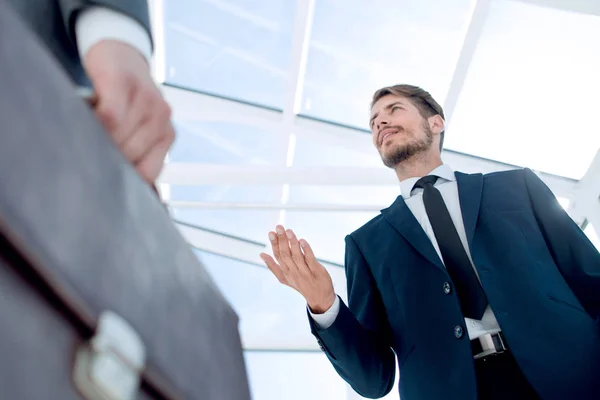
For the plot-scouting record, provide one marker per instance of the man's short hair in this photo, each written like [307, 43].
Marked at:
[420, 98]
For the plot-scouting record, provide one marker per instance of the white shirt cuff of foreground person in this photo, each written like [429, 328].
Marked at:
[99, 23]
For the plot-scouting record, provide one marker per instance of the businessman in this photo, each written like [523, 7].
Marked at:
[105, 46]
[479, 286]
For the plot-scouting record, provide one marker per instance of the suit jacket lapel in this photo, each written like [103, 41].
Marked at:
[403, 220]
[469, 194]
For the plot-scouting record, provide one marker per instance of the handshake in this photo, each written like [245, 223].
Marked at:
[296, 266]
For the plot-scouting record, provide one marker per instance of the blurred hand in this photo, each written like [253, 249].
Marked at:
[130, 106]
[297, 267]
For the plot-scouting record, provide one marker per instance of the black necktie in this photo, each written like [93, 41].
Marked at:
[472, 299]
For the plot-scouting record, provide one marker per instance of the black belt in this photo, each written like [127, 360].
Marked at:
[488, 344]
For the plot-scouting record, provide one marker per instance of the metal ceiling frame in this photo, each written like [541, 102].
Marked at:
[191, 106]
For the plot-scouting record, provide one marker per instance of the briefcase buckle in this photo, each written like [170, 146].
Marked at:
[109, 365]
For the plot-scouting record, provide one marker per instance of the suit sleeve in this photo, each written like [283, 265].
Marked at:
[358, 343]
[135, 9]
[574, 254]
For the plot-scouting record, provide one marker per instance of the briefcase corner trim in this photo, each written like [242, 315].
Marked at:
[109, 365]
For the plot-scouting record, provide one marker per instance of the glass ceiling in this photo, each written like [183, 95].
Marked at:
[357, 47]
[237, 49]
[285, 85]
[531, 90]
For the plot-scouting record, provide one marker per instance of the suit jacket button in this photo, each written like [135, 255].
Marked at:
[447, 288]
[458, 331]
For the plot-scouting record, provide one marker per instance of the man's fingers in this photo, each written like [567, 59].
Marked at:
[297, 255]
[113, 106]
[141, 141]
[309, 256]
[146, 122]
[152, 163]
[274, 238]
[284, 248]
[274, 268]
[141, 108]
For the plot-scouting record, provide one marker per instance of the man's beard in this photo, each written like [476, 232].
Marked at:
[410, 149]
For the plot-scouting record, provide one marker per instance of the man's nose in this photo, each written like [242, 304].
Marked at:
[382, 123]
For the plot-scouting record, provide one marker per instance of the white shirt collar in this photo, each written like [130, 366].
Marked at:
[443, 171]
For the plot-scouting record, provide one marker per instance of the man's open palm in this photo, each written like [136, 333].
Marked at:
[298, 268]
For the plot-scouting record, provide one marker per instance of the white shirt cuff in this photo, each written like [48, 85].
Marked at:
[326, 319]
[98, 23]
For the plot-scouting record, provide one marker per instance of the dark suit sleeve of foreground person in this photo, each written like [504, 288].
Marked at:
[135, 9]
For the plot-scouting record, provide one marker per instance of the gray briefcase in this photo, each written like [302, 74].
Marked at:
[100, 296]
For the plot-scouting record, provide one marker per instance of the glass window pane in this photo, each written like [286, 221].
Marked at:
[251, 225]
[592, 234]
[531, 89]
[271, 315]
[238, 48]
[223, 143]
[357, 47]
[293, 376]
[226, 143]
[331, 151]
[326, 230]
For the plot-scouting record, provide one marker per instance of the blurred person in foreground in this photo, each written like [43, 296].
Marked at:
[478, 286]
[105, 47]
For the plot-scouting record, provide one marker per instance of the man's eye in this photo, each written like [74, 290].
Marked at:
[396, 108]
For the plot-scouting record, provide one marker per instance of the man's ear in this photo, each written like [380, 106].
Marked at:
[436, 124]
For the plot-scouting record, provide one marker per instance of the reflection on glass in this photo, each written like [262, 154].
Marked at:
[317, 152]
[271, 315]
[592, 234]
[232, 48]
[326, 230]
[293, 376]
[387, 42]
[530, 90]
[222, 143]
[226, 143]
[252, 225]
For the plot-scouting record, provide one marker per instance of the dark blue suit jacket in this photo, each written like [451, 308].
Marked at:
[540, 272]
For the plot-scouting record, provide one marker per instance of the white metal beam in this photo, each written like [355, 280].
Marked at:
[585, 204]
[222, 245]
[211, 174]
[293, 93]
[180, 204]
[591, 7]
[156, 12]
[478, 18]
[300, 44]
[190, 106]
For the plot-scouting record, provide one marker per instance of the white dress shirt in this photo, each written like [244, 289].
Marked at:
[97, 23]
[447, 186]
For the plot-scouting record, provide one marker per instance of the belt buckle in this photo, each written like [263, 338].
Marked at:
[491, 344]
